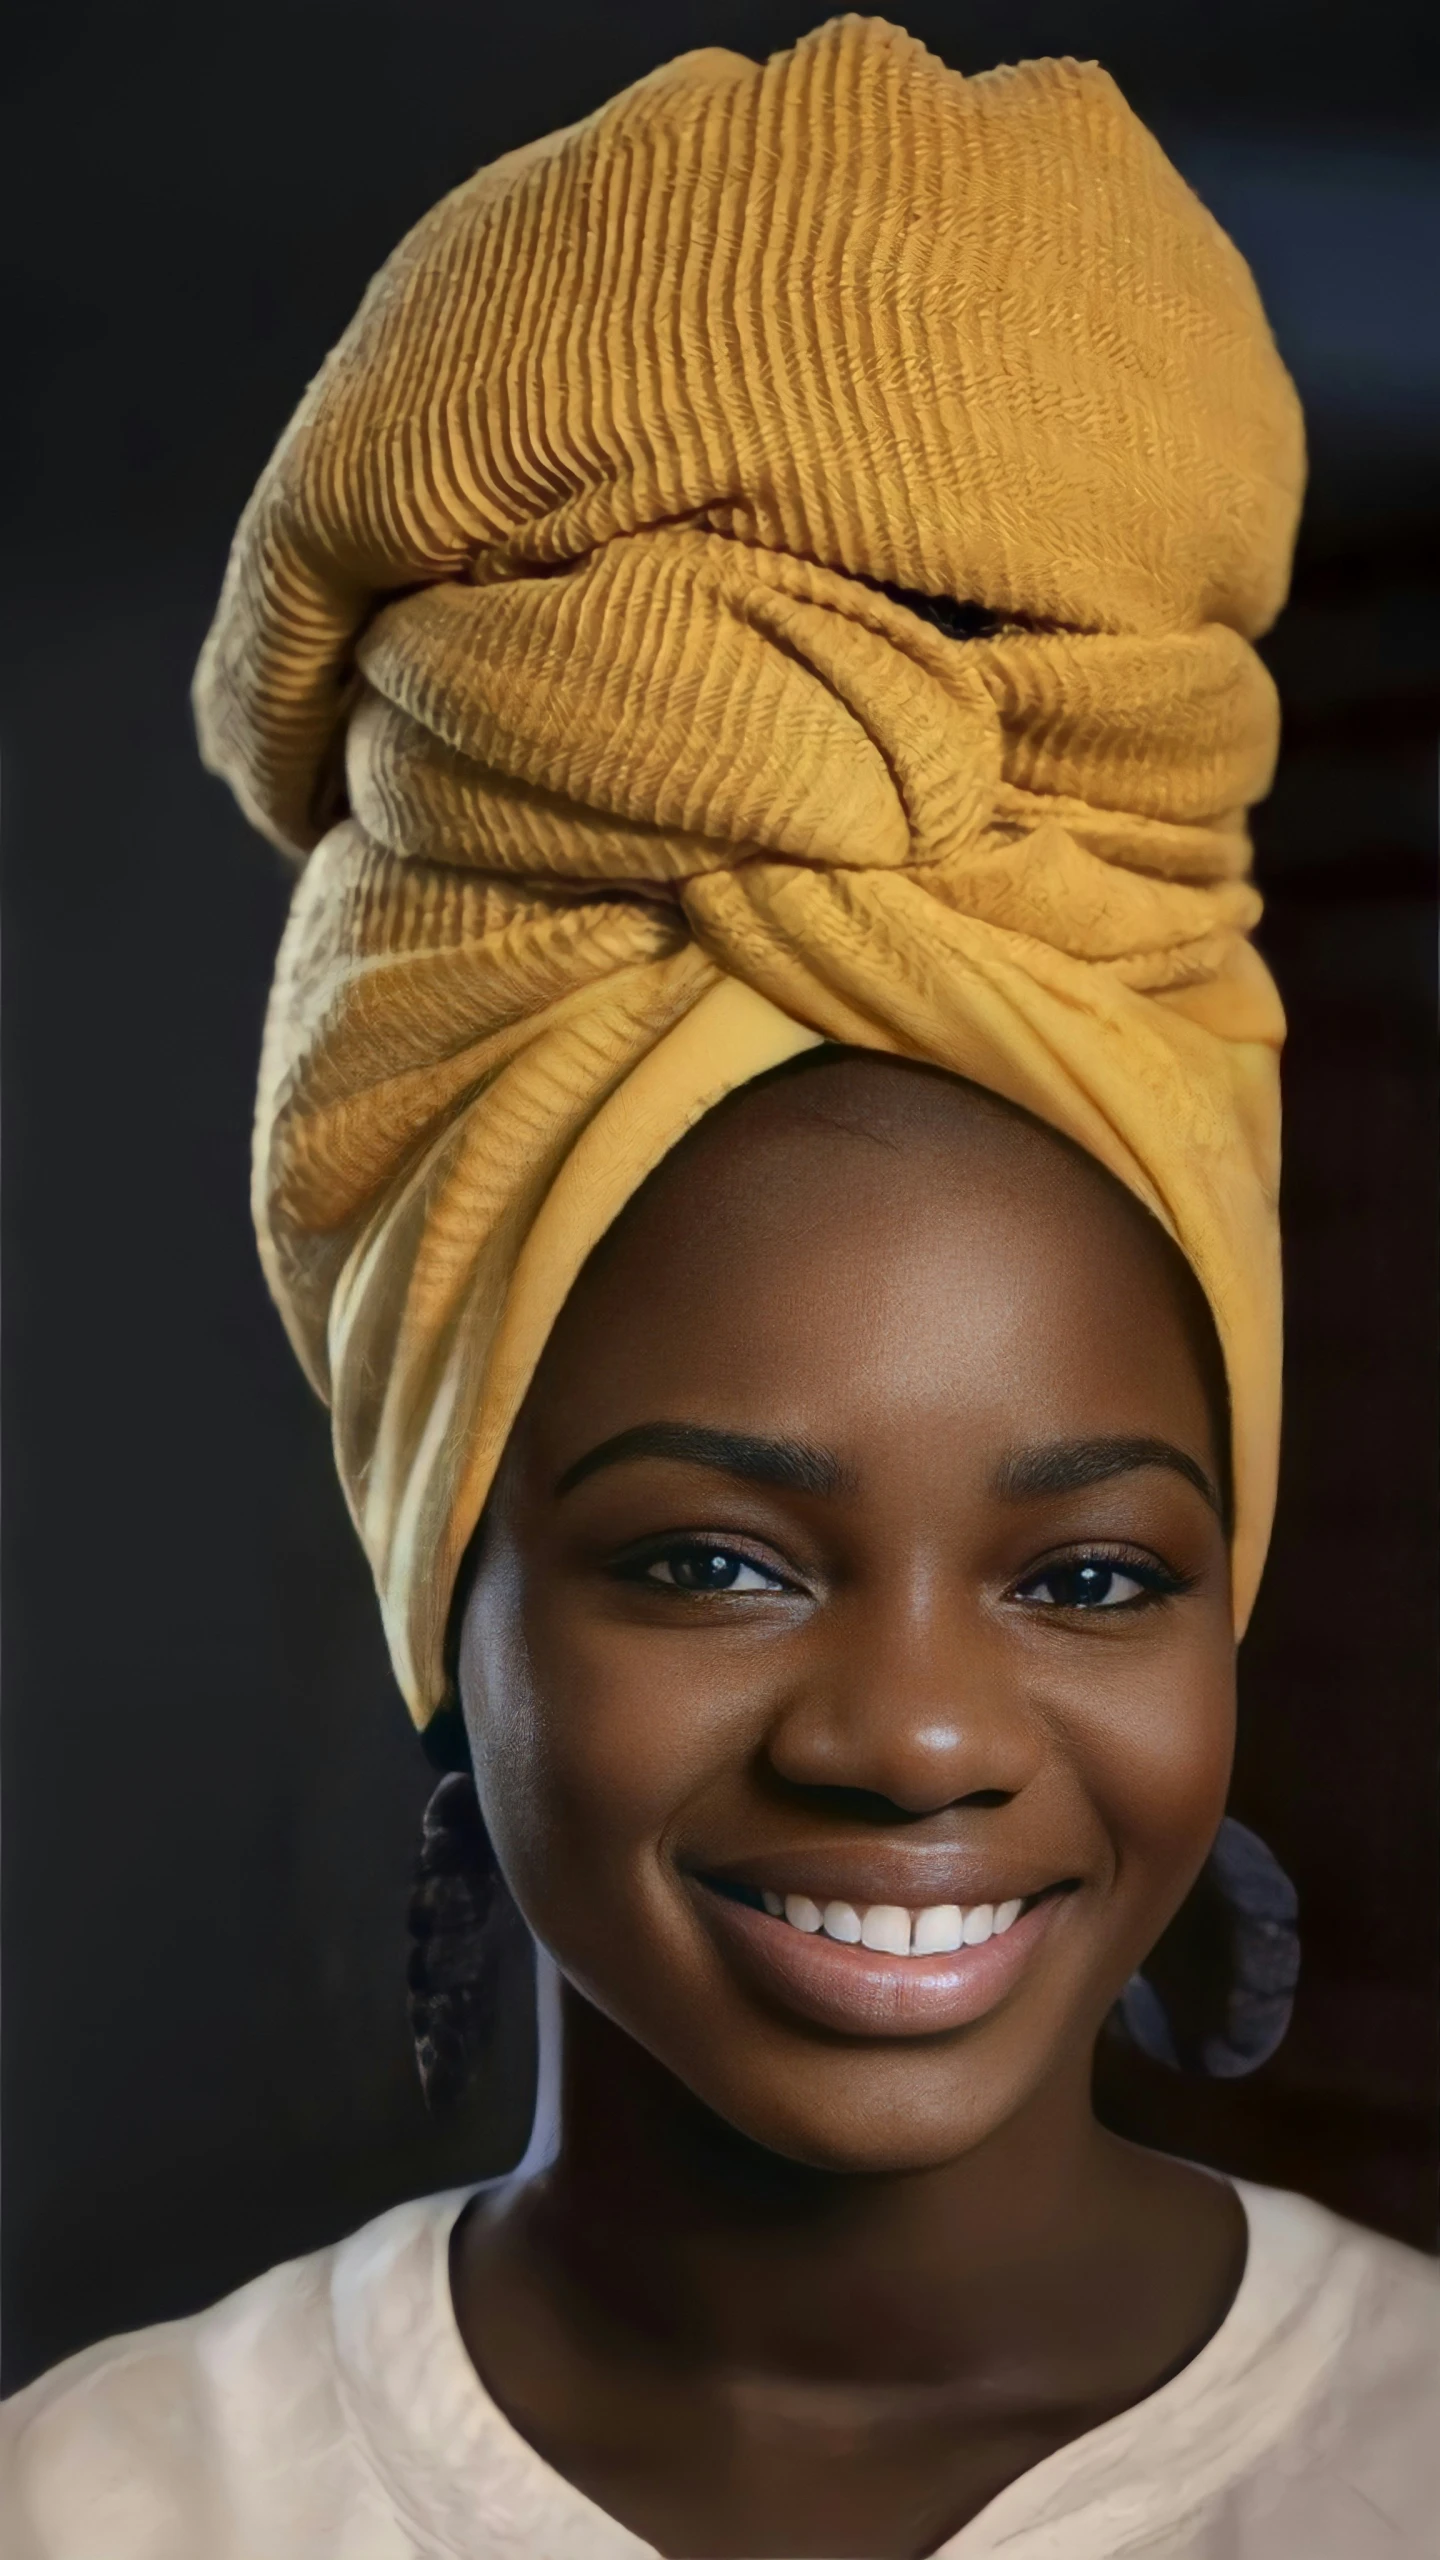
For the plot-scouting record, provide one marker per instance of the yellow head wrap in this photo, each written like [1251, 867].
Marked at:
[577, 547]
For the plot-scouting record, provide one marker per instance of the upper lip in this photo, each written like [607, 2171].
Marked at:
[915, 1878]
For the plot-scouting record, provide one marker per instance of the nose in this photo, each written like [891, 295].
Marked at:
[912, 1700]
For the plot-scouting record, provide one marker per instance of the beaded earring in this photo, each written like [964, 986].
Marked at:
[1214, 1997]
[458, 1913]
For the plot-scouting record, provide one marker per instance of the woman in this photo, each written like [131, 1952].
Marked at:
[767, 1141]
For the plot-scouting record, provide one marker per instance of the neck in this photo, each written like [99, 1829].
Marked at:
[670, 2225]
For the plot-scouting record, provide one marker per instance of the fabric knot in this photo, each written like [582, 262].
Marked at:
[613, 726]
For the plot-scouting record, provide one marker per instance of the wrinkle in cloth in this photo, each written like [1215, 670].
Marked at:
[559, 643]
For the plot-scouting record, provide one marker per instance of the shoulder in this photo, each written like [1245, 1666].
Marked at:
[1351, 2323]
[225, 2433]
[1302, 2249]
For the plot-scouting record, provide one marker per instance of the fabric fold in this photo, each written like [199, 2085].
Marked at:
[566, 642]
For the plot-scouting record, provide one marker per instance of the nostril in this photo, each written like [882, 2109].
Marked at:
[869, 1805]
[855, 1804]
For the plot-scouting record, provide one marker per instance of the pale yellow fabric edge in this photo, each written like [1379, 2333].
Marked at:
[730, 1036]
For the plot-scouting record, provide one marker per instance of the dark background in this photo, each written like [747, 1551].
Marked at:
[210, 1791]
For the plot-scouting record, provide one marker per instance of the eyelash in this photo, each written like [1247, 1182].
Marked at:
[641, 1569]
[1156, 1582]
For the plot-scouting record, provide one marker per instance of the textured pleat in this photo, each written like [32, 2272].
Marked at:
[577, 635]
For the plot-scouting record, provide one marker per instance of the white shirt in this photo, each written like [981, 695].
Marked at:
[329, 2411]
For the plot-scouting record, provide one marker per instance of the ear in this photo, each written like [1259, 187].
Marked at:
[444, 1740]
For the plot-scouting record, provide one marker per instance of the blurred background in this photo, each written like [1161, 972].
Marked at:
[211, 1795]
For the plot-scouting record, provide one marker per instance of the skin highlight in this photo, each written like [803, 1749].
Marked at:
[861, 1535]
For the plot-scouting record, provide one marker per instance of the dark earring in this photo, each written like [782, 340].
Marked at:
[458, 1911]
[1215, 1995]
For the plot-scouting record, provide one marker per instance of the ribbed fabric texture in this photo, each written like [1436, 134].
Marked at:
[569, 625]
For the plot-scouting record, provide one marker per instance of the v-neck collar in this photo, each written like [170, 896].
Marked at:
[464, 2483]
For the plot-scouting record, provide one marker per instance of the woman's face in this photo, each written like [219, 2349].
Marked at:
[851, 1564]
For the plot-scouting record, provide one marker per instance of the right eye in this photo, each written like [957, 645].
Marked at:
[696, 1565]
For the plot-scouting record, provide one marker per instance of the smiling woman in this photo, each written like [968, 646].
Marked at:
[767, 1141]
[848, 1727]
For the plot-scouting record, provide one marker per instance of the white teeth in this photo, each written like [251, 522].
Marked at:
[886, 1927]
[889, 1929]
[938, 1931]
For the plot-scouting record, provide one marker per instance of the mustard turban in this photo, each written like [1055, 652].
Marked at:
[567, 635]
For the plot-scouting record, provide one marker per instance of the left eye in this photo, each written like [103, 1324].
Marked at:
[709, 1569]
[1088, 1584]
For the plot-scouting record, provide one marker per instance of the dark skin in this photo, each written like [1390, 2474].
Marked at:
[944, 1609]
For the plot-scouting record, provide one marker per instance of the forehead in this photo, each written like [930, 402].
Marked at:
[867, 1249]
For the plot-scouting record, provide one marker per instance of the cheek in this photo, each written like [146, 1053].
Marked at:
[1157, 1770]
[589, 1743]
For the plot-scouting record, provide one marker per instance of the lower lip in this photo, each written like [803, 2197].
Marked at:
[863, 1993]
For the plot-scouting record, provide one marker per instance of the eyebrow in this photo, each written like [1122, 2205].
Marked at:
[1067, 1466]
[791, 1464]
[1059, 1466]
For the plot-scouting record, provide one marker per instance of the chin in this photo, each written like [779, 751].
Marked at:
[875, 2114]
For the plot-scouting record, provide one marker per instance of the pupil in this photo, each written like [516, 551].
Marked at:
[1088, 1582]
[706, 1569]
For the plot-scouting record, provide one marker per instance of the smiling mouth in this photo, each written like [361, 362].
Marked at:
[881, 1968]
